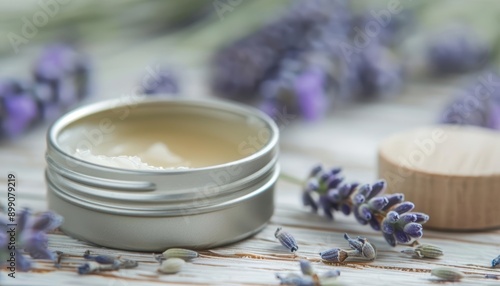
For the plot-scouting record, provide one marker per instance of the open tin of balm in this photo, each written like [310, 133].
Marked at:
[162, 173]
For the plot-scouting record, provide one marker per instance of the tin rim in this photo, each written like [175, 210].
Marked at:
[103, 106]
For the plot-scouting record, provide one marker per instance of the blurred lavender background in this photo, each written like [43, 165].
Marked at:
[306, 57]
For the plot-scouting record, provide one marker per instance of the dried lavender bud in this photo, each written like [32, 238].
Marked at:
[401, 236]
[105, 259]
[378, 188]
[171, 266]
[354, 243]
[127, 263]
[326, 206]
[447, 274]
[421, 217]
[394, 199]
[374, 223]
[306, 267]
[334, 255]
[404, 207]
[407, 218]
[181, 253]
[424, 251]
[307, 200]
[331, 273]
[378, 203]
[59, 256]
[295, 279]
[496, 261]
[391, 240]
[365, 190]
[316, 170]
[88, 268]
[47, 221]
[368, 250]
[413, 229]
[286, 239]
[387, 226]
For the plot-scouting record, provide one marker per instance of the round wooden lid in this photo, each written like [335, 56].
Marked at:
[450, 172]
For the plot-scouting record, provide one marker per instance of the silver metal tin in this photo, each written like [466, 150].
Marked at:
[157, 209]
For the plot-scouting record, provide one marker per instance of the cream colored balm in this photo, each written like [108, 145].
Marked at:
[162, 142]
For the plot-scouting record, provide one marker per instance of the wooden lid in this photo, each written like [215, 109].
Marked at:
[452, 173]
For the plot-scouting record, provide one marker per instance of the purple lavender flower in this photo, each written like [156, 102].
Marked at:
[311, 94]
[471, 108]
[31, 236]
[162, 81]
[456, 51]
[19, 113]
[66, 71]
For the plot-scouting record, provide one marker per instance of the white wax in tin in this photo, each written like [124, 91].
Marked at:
[157, 150]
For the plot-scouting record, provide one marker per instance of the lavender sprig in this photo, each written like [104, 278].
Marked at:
[389, 214]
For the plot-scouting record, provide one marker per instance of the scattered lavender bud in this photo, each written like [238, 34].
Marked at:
[354, 243]
[181, 253]
[171, 265]
[286, 239]
[88, 268]
[331, 273]
[447, 274]
[101, 259]
[368, 250]
[496, 261]
[424, 251]
[127, 263]
[295, 279]
[59, 256]
[334, 255]
[306, 267]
